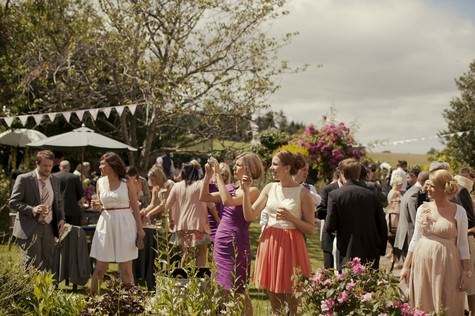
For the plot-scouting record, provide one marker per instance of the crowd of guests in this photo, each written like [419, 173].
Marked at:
[426, 218]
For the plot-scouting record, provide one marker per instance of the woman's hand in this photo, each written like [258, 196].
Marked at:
[404, 276]
[465, 280]
[246, 183]
[284, 214]
[141, 233]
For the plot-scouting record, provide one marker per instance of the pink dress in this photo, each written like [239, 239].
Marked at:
[189, 214]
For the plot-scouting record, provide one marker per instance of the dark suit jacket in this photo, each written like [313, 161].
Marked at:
[25, 196]
[357, 217]
[322, 208]
[464, 199]
[72, 192]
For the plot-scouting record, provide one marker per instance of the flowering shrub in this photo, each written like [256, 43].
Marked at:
[357, 290]
[328, 146]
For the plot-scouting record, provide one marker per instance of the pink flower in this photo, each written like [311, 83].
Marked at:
[327, 305]
[358, 269]
[317, 277]
[340, 276]
[350, 285]
[342, 297]
[367, 297]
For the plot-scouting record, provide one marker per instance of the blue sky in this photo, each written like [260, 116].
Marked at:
[388, 66]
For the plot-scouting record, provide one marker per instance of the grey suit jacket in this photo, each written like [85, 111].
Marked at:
[25, 196]
[407, 217]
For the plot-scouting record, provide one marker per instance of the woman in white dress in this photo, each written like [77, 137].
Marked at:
[119, 227]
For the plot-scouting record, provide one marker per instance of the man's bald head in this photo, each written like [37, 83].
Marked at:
[64, 165]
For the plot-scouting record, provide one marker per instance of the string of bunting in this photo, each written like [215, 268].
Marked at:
[418, 139]
[67, 114]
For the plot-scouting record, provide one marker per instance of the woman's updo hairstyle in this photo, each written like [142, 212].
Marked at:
[442, 179]
[295, 161]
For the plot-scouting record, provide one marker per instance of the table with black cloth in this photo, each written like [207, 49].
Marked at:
[144, 265]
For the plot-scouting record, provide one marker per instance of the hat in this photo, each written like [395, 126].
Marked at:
[464, 182]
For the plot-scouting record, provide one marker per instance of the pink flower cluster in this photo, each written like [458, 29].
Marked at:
[328, 146]
[357, 289]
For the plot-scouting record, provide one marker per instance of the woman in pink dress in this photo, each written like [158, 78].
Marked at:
[282, 251]
[189, 215]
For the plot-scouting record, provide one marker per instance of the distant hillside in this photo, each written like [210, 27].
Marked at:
[392, 158]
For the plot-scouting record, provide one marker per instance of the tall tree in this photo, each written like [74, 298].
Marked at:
[459, 136]
[198, 69]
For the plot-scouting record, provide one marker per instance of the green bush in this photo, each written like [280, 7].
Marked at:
[27, 291]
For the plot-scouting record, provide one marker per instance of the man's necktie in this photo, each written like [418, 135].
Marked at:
[44, 200]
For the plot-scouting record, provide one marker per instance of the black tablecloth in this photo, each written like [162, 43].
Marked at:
[144, 265]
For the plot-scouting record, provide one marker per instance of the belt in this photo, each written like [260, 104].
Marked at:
[116, 208]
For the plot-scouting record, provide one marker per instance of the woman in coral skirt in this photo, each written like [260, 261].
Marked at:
[282, 252]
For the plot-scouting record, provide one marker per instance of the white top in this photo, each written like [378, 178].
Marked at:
[462, 227]
[283, 197]
[118, 198]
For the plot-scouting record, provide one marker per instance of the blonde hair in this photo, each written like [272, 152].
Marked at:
[225, 167]
[442, 179]
[157, 172]
[253, 164]
[397, 181]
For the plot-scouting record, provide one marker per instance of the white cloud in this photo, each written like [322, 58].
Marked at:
[389, 65]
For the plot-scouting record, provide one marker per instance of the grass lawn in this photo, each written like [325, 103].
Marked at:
[259, 298]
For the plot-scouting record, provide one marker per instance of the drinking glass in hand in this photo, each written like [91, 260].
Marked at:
[96, 202]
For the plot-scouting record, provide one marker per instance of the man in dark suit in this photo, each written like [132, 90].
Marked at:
[357, 217]
[72, 192]
[410, 201]
[40, 215]
[327, 238]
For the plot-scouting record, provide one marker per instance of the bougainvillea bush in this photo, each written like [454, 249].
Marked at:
[328, 146]
[357, 290]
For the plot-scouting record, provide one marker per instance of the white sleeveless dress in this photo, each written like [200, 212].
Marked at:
[116, 230]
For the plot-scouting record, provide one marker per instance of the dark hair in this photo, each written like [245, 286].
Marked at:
[363, 173]
[115, 162]
[190, 173]
[131, 171]
[44, 154]
[415, 170]
[402, 163]
[295, 161]
[350, 168]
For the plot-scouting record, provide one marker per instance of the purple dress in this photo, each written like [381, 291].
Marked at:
[232, 250]
[213, 225]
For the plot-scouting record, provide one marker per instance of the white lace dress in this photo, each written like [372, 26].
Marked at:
[116, 230]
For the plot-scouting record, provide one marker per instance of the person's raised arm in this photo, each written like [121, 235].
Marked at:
[252, 212]
[205, 196]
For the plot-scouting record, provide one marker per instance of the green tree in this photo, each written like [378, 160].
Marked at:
[199, 69]
[459, 136]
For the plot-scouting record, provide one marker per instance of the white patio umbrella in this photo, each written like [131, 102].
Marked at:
[82, 137]
[20, 137]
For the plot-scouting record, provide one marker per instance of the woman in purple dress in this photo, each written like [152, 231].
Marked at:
[215, 210]
[232, 251]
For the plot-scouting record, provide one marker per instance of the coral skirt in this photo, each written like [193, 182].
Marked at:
[281, 254]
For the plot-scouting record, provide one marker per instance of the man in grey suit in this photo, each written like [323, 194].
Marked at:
[407, 213]
[72, 191]
[40, 215]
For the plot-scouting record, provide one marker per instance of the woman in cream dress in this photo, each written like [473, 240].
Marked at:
[437, 264]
